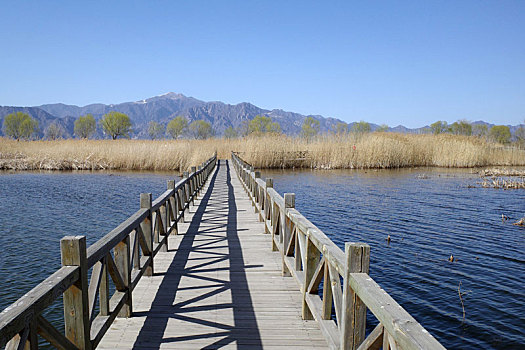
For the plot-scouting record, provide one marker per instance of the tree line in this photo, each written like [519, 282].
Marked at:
[20, 125]
[178, 126]
[497, 133]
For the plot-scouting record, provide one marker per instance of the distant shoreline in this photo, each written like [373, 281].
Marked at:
[368, 151]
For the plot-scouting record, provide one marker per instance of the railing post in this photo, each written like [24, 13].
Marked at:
[289, 203]
[163, 211]
[311, 258]
[180, 203]
[193, 184]
[76, 300]
[199, 177]
[256, 197]
[267, 203]
[252, 181]
[289, 200]
[173, 205]
[187, 194]
[103, 291]
[147, 228]
[122, 261]
[248, 182]
[353, 320]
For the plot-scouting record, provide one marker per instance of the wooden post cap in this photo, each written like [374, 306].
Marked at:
[269, 182]
[70, 246]
[145, 200]
[193, 169]
[358, 256]
[171, 184]
[185, 174]
[289, 200]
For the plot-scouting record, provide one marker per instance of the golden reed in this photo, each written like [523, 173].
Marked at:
[373, 150]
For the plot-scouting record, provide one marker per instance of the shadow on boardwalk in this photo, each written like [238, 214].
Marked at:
[210, 255]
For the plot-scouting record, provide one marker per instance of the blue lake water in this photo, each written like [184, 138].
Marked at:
[428, 218]
[38, 209]
[429, 214]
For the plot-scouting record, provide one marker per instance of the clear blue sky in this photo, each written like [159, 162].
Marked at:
[393, 62]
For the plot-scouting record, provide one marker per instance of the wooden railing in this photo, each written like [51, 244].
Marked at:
[312, 258]
[121, 258]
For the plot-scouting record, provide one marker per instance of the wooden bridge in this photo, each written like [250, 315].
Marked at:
[220, 260]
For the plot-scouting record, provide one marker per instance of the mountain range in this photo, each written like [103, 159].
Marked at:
[165, 107]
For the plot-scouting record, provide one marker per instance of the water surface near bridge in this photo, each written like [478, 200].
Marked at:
[429, 214]
[39, 208]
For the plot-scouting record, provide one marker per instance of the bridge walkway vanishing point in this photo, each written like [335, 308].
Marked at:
[218, 286]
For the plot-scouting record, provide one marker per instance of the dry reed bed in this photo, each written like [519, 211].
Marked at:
[376, 150]
[101, 155]
[506, 184]
[502, 172]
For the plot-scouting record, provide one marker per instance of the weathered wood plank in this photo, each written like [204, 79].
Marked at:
[53, 336]
[18, 315]
[374, 340]
[160, 200]
[328, 327]
[353, 318]
[100, 248]
[337, 294]
[311, 259]
[122, 262]
[103, 290]
[94, 285]
[76, 301]
[146, 231]
[101, 324]
[317, 277]
[118, 280]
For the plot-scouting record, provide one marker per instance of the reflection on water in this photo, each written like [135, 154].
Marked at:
[429, 214]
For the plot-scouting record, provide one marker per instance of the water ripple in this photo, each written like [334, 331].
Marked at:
[38, 209]
[429, 220]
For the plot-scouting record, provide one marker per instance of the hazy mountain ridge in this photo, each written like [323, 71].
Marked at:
[164, 107]
[44, 119]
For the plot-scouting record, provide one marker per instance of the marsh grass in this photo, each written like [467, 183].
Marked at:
[502, 172]
[374, 150]
[101, 155]
[503, 183]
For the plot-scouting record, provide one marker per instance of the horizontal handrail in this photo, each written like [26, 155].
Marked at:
[13, 318]
[122, 257]
[311, 258]
[100, 249]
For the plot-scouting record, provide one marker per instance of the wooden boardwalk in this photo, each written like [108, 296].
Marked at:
[218, 286]
[223, 282]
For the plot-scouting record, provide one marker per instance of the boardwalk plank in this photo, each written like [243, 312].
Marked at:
[219, 286]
